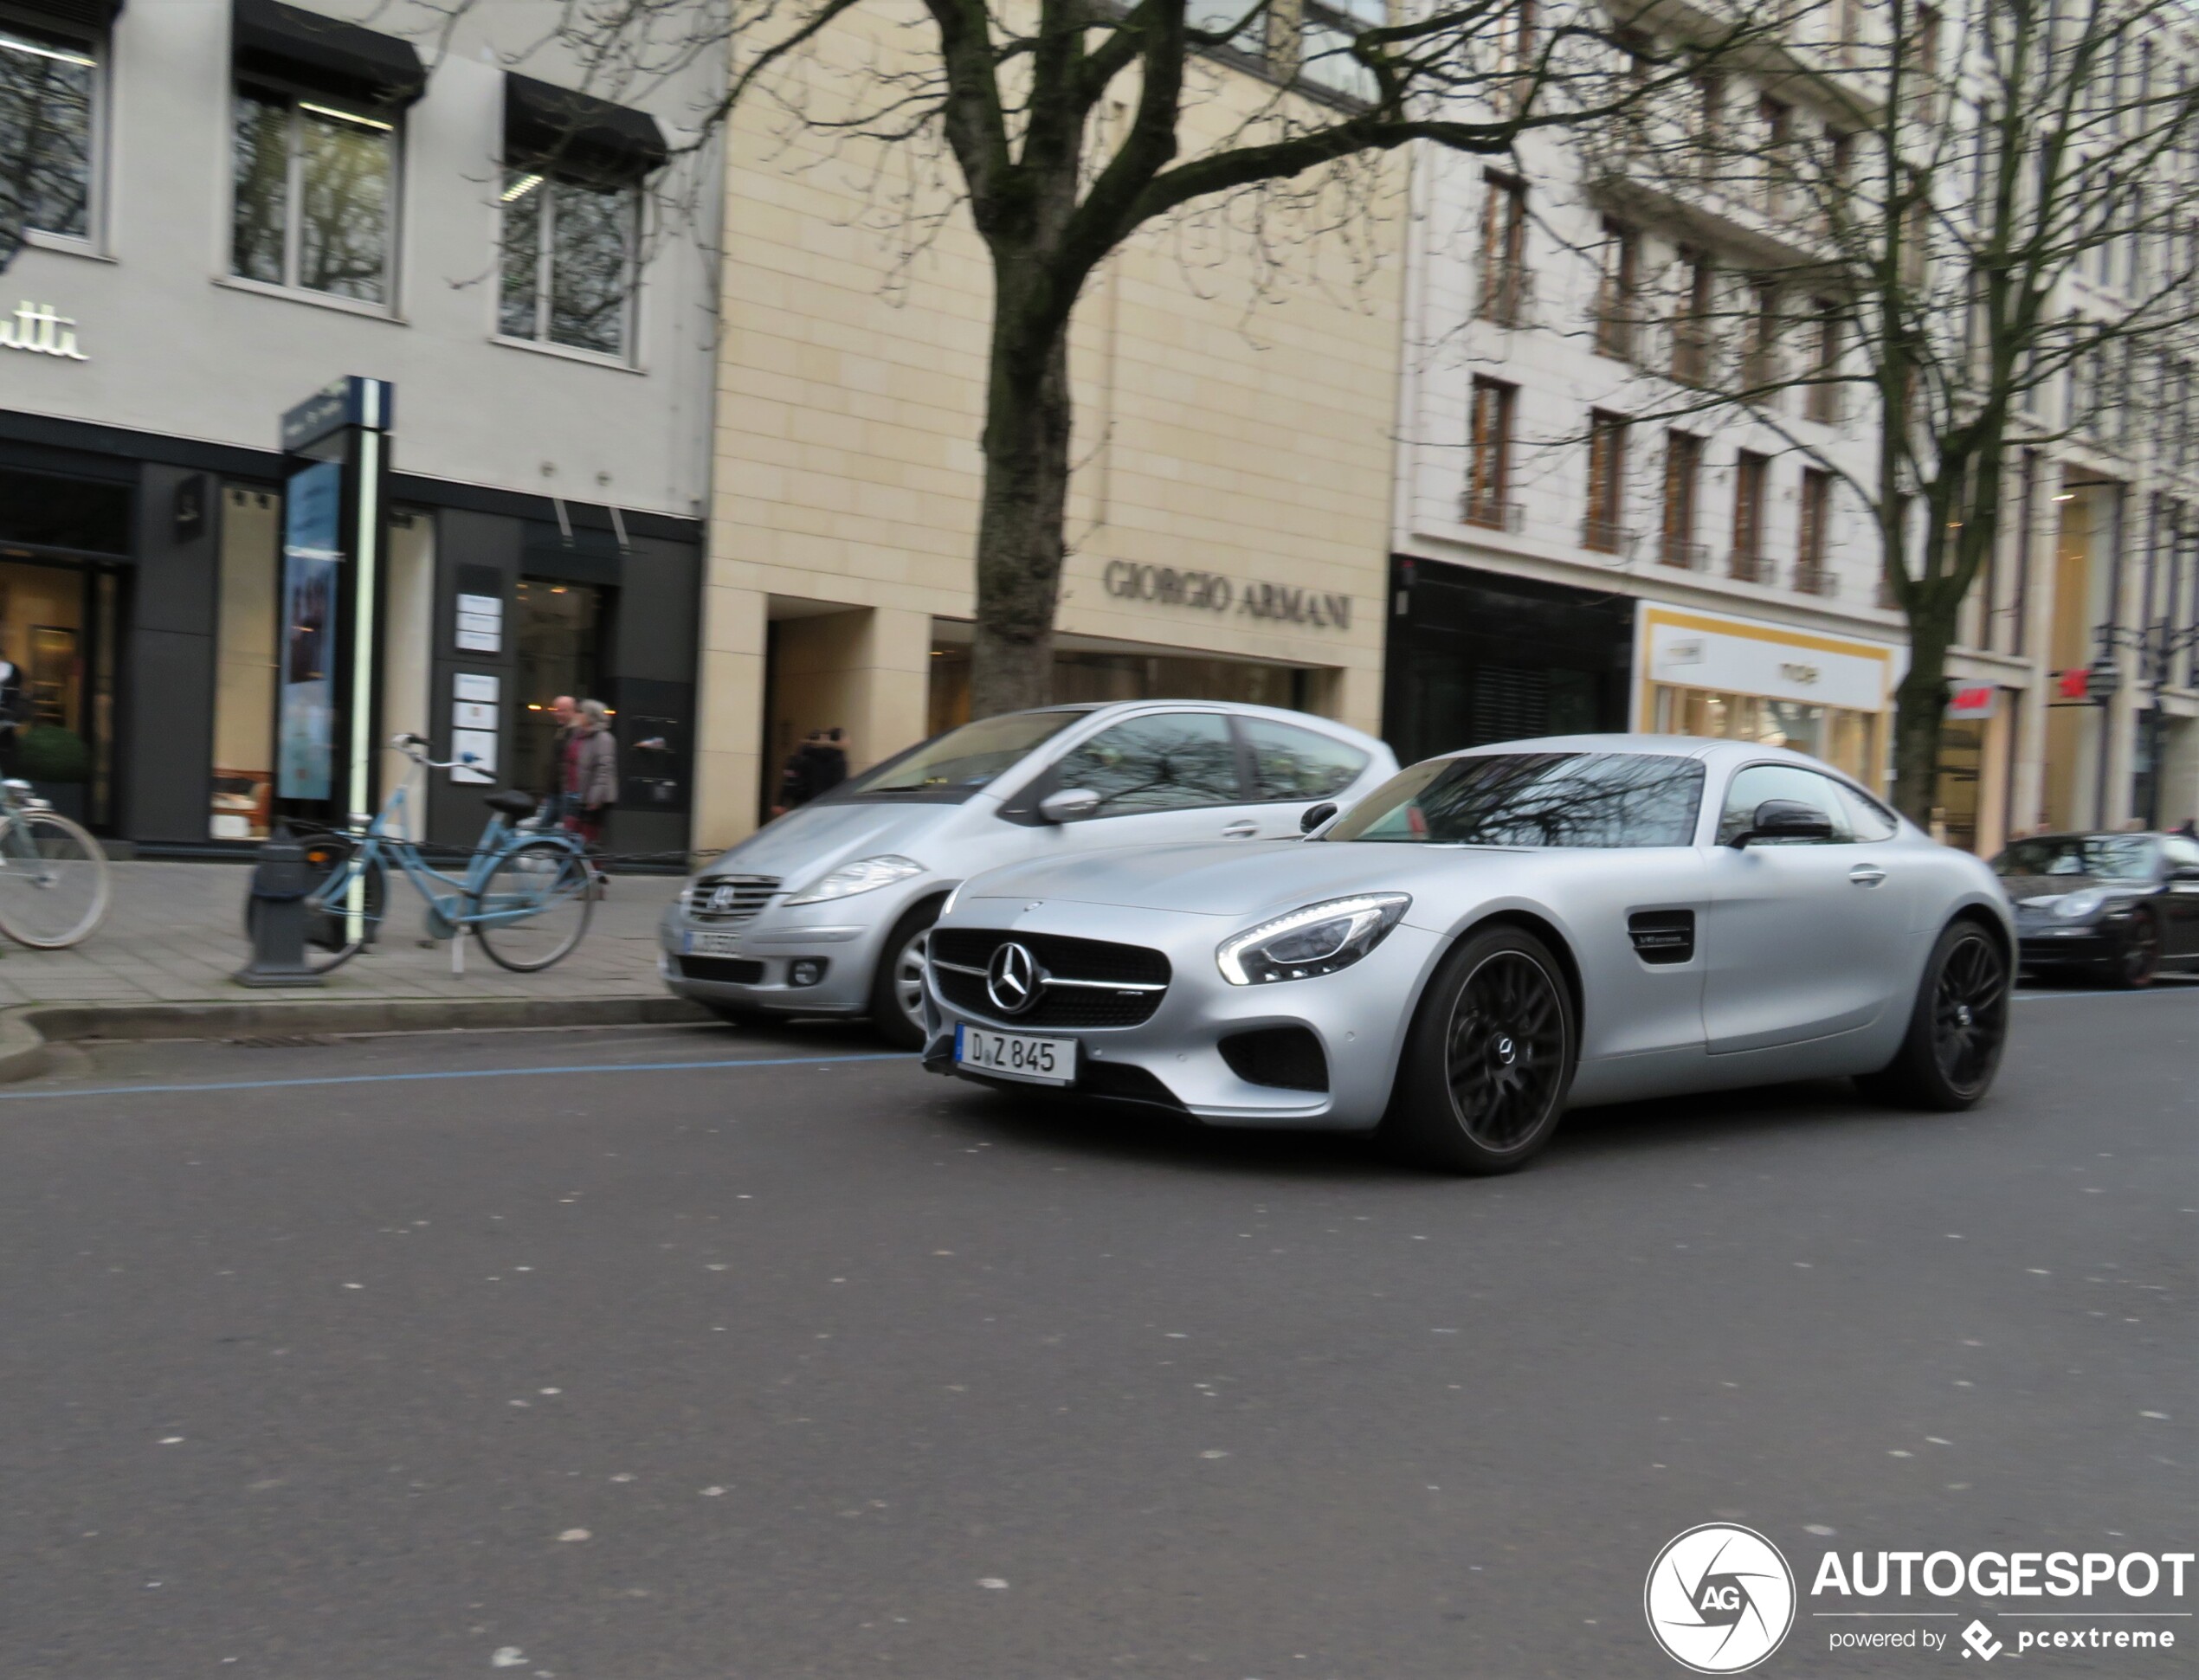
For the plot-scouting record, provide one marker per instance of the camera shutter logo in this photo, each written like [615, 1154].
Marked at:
[1011, 979]
[1719, 1599]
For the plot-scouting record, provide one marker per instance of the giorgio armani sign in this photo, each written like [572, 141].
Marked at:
[1212, 592]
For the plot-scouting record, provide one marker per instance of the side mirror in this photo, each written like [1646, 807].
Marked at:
[1315, 817]
[1785, 819]
[1069, 805]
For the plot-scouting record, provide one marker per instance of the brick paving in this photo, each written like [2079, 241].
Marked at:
[175, 933]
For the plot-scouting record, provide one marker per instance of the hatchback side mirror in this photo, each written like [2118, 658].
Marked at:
[1785, 819]
[1069, 805]
[1315, 817]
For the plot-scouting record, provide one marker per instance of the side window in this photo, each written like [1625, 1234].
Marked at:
[1175, 760]
[1289, 762]
[1871, 820]
[1753, 786]
[2181, 854]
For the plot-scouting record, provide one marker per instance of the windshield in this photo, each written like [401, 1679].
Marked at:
[1568, 799]
[2105, 857]
[963, 760]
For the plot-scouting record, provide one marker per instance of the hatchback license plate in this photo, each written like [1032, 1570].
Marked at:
[1016, 1056]
[710, 944]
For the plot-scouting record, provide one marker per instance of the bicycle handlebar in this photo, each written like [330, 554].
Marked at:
[414, 747]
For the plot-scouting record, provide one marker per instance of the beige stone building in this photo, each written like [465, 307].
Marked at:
[1229, 512]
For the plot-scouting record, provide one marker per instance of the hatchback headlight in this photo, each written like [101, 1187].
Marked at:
[1317, 940]
[864, 875]
[2075, 906]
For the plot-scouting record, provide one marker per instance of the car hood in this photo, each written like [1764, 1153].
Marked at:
[815, 839]
[1237, 878]
[2044, 891]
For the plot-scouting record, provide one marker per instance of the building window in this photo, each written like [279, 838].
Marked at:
[1605, 528]
[1488, 500]
[1691, 324]
[1710, 122]
[1811, 576]
[1683, 478]
[1924, 67]
[1751, 474]
[1615, 291]
[569, 258]
[1824, 400]
[1776, 119]
[1504, 251]
[49, 87]
[1326, 31]
[1523, 49]
[315, 195]
[1760, 360]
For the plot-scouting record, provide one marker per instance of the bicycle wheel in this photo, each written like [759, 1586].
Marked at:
[535, 906]
[53, 880]
[344, 912]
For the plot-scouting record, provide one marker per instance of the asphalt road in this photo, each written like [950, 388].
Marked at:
[828, 1367]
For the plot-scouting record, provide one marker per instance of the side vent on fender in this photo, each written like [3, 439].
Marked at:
[1662, 935]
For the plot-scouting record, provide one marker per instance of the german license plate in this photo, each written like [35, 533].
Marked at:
[1016, 1056]
[710, 944]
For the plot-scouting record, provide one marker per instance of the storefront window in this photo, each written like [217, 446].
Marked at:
[244, 665]
[1844, 738]
[44, 634]
[560, 643]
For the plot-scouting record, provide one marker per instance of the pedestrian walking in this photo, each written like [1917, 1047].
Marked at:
[590, 763]
[564, 713]
[814, 769]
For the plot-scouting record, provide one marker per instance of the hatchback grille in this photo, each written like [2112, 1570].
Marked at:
[727, 970]
[724, 900]
[959, 955]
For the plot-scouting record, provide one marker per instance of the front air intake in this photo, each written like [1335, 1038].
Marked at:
[1289, 1058]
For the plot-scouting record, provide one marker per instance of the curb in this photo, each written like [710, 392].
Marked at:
[29, 1031]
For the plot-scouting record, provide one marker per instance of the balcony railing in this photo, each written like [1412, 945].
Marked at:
[1608, 536]
[1492, 514]
[1683, 552]
[1507, 296]
[1815, 580]
[1746, 566]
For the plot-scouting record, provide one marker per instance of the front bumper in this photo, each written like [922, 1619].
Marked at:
[1358, 1015]
[2069, 946]
[757, 972]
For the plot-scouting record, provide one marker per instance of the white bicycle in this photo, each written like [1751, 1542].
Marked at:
[53, 875]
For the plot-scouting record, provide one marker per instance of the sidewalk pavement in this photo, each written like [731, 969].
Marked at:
[174, 933]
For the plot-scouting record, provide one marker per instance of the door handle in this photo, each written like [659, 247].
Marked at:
[1240, 831]
[1866, 874]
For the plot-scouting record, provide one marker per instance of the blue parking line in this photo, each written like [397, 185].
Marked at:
[454, 1073]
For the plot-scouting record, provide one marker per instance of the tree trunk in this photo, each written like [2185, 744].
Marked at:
[1021, 521]
[1920, 705]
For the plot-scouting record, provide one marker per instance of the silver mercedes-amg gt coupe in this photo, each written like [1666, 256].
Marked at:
[1486, 939]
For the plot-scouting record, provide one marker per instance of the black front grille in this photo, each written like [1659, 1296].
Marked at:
[1060, 957]
[1121, 1083]
[1289, 1058]
[731, 970]
[725, 900]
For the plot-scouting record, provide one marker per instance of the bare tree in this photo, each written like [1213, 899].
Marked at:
[1972, 225]
[1068, 125]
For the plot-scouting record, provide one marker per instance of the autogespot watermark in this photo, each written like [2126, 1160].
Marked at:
[1720, 1600]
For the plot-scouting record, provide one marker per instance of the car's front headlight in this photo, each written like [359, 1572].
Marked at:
[1317, 940]
[2075, 906]
[864, 875]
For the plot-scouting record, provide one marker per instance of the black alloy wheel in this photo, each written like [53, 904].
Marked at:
[2138, 958]
[1958, 1025]
[1489, 1058]
[1969, 1013]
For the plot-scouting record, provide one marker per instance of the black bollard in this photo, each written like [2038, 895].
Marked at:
[280, 881]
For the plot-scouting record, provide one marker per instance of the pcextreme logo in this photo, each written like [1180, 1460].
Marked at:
[1719, 1599]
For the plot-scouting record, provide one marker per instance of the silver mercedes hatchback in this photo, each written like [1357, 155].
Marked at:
[825, 911]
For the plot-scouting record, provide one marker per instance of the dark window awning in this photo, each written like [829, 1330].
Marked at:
[565, 133]
[305, 52]
[80, 16]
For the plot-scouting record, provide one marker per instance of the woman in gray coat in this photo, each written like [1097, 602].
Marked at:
[592, 771]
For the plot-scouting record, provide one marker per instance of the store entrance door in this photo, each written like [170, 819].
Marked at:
[560, 645]
[57, 629]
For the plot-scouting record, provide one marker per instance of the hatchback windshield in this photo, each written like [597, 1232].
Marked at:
[1534, 799]
[963, 760]
[2106, 857]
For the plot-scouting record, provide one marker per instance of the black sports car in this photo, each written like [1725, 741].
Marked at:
[2125, 906]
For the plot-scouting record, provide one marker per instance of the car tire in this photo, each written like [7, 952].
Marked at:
[1957, 1027]
[900, 963]
[1488, 1060]
[2138, 958]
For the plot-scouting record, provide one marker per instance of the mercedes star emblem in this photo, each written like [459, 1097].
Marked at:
[1011, 979]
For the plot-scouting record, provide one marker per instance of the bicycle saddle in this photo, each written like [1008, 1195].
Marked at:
[513, 805]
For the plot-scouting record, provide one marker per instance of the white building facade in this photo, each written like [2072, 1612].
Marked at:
[235, 202]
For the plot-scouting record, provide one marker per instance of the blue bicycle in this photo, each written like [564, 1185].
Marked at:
[526, 896]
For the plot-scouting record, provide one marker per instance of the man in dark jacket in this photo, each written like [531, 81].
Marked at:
[817, 766]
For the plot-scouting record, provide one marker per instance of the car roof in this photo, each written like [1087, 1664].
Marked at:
[1663, 746]
[2091, 834]
[1236, 708]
